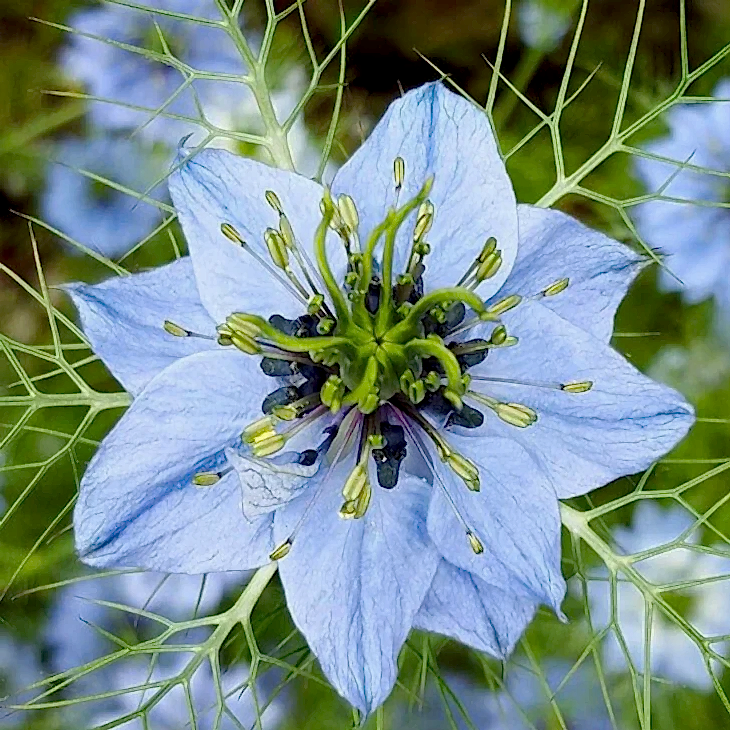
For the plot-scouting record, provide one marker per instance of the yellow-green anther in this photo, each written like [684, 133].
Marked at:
[348, 212]
[582, 386]
[206, 479]
[438, 314]
[175, 329]
[273, 200]
[475, 543]
[267, 446]
[510, 341]
[404, 310]
[246, 344]
[351, 278]
[465, 470]
[287, 413]
[489, 267]
[277, 248]
[417, 391]
[347, 511]
[363, 501]
[282, 551]
[488, 249]
[556, 287]
[432, 381]
[465, 381]
[515, 414]
[232, 234]
[238, 323]
[315, 303]
[499, 335]
[262, 425]
[399, 172]
[424, 220]
[287, 232]
[376, 440]
[355, 482]
[454, 398]
[325, 325]
[504, 305]
[404, 280]
[224, 340]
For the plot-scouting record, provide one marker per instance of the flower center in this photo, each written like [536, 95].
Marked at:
[381, 356]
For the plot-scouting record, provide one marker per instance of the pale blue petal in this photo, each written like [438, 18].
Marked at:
[439, 133]
[515, 515]
[217, 187]
[354, 586]
[137, 506]
[462, 606]
[123, 318]
[554, 246]
[581, 440]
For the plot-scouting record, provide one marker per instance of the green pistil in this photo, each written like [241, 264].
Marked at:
[375, 353]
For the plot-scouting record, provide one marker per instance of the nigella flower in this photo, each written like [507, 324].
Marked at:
[135, 86]
[674, 654]
[696, 237]
[375, 386]
[94, 213]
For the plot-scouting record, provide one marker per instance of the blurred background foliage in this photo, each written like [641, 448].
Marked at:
[659, 333]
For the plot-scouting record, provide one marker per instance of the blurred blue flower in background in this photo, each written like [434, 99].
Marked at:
[542, 26]
[124, 77]
[224, 487]
[92, 213]
[20, 667]
[674, 655]
[523, 704]
[695, 237]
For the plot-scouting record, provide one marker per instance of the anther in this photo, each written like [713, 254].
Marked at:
[399, 172]
[207, 478]
[516, 414]
[488, 249]
[315, 303]
[556, 287]
[325, 325]
[465, 470]
[273, 200]
[475, 543]
[417, 391]
[244, 343]
[432, 381]
[287, 232]
[232, 234]
[355, 483]
[489, 266]
[376, 440]
[282, 551]
[424, 220]
[239, 324]
[348, 211]
[332, 393]
[175, 330]
[262, 425]
[277, 248]
[504, 305]
[267, 444]
[582, 386]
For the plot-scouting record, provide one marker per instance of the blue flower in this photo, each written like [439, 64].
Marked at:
[123, 77]
[399, 443]
[541, 26]
[695, 237]
[95, 214]
[674, 654]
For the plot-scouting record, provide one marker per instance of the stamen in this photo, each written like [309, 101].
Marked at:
[177, 331]
[282, 551]
[556, 287]
[504, 305]
[475, 543]
[582, 386]
[426, 456]
[292, 411]
[233, 235]
[273, 200]
[515, 414]
[210, 478]
[399, 173]
[487, 250]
